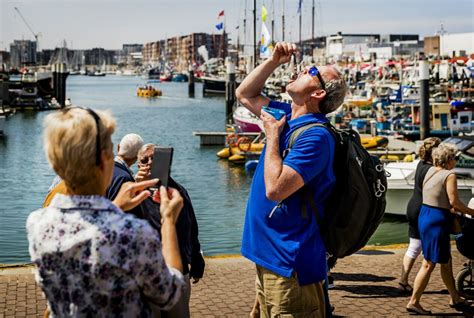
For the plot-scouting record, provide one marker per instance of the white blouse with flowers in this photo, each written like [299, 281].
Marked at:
[94, 260]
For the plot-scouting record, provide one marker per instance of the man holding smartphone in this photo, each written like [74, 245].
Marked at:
[284, 243]
[186, 227]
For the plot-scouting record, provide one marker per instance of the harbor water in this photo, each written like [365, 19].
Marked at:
[217, 188]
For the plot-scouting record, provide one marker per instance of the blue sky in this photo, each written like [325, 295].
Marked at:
[110, 23]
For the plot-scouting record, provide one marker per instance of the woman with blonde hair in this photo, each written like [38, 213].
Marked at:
[92, 259]
[440, 198]
[413, 211]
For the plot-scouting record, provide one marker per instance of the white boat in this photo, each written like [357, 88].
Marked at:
[246, 120]
[401, 183]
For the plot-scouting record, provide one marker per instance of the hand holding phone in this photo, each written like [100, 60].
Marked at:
[275, 112]
[161, 165]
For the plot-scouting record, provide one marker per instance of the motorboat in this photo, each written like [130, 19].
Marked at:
[246, 120]
[148, 91]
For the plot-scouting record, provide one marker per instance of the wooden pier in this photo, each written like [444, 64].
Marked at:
[218, 138]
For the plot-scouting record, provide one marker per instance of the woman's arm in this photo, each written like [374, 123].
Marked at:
[452, 190]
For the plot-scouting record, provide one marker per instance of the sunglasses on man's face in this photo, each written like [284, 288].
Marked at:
[313, 71]
[146, 160]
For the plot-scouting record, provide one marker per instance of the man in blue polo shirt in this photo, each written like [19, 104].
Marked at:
[282, 240]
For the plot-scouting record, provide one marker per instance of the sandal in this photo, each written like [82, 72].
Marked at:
[405, 288]
[462, 305]
[417, 310]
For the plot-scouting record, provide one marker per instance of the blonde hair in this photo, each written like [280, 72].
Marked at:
[426, 149]
[70, 138]
[443, 154]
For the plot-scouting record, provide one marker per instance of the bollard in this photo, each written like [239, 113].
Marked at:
[191, 82]
[230, 90]
[424, 73]
[60, 74]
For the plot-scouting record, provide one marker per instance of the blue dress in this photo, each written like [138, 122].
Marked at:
[435, 225]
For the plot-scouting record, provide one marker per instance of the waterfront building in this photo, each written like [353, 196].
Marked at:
[180, 51]
[129, 54]
[99, 57]
[5, 58]
[22, 52]
[456, 44]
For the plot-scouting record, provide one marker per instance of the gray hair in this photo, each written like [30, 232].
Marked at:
[336, 90]
[129, 146]
[145, 148]
[443, 154]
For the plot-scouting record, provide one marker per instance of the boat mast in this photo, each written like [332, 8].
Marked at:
[254, 33]
[273, 22]
[312, 23]
[245, 26]
[283, 20]
[300, 9]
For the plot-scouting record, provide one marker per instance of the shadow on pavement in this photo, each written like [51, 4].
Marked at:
[370, 291]
[361, 277]
[374, 252]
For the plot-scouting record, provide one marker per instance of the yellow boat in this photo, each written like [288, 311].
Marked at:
[374, 142]
[238, 147]
[148, 91]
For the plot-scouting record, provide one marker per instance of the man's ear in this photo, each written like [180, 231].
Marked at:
[118, 148]
[319, 94]
[103, 159]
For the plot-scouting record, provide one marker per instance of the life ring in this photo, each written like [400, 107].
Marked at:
[244, 144]
[231, 139]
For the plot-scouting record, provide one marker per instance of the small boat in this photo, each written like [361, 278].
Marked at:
[179, 77]
[148, 91]
[374, 142]
[246, 120]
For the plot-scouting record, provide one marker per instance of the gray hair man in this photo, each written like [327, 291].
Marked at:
[127, 151]
[285, 243]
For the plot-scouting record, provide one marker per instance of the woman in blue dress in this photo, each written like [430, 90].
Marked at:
[440, 198]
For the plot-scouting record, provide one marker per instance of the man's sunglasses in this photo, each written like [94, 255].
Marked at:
[97, 125]
[313, 71]
[146, 160]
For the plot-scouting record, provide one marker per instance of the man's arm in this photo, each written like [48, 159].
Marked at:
[249, 92]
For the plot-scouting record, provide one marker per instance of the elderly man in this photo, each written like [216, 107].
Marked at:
[186, 229]
[285, 243]
[127, 151]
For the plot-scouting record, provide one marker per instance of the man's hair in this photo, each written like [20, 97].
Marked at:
[443, 154]
[426, 149]
[130, 145]
[145, 148]
[336, 90]
[70, 144]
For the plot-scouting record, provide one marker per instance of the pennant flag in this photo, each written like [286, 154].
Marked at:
[220, 26]
[221, 14]
[264, 14]
[299, 6]
[265, 42]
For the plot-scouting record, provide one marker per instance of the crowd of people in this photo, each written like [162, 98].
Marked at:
[105, 245]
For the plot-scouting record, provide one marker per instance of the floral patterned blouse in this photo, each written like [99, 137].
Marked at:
[94, 260]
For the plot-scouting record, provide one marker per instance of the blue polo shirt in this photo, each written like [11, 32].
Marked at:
[285, 240]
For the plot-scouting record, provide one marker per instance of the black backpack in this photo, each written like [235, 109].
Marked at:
[356, 206]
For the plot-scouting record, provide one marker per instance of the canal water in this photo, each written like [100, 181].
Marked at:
[218, 189]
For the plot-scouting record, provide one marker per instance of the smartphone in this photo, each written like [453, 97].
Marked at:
[161, 165]
[275, 112]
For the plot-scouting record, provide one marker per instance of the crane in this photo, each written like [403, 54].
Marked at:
[36, 35]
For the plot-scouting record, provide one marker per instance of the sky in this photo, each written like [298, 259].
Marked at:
[110, 23]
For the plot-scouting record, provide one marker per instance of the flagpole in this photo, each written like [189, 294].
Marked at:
[301, 48]
[273, 22]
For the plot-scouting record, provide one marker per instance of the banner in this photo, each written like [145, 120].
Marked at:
[265, 42]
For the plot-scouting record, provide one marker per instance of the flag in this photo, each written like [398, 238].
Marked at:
[299, 6]
[221, 14]
[220, 26]
[264, 14]
[265, 42]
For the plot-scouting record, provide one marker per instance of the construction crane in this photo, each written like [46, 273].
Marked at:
[36, 35]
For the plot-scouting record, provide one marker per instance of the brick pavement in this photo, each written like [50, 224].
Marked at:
[365, 286]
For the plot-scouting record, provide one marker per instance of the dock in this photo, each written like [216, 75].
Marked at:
[365, 286]
[218, 138]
